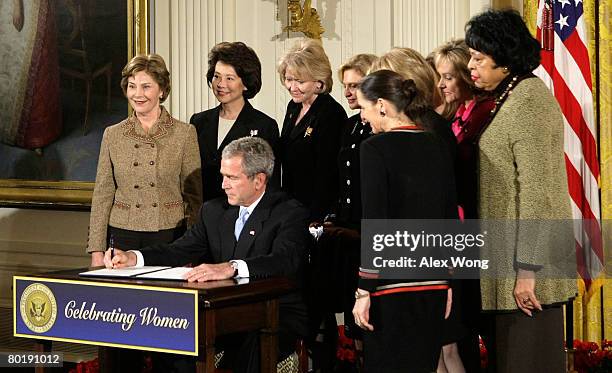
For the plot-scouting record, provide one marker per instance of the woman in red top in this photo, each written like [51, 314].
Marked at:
[472, 112]
[472, 109]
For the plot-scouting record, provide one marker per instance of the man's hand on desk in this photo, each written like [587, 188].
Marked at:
[210, 272]
[119, 259]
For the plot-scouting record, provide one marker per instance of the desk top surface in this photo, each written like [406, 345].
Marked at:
[214, 293]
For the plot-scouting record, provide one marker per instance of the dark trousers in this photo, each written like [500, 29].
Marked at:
[518, 343]
[465, 314]
[333, 280]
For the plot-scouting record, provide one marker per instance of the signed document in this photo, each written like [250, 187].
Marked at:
[176, 273]
[122, 272]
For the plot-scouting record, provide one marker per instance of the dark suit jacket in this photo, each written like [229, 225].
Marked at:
[309, 151]
[250, 122]
[274, 242]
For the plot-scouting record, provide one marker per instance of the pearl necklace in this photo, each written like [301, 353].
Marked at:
[500, 100]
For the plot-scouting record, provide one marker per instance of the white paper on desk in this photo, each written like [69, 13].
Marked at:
[176, 273]
[121, 272]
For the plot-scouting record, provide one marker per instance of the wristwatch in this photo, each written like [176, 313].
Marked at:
[234, 265]
[359, 295]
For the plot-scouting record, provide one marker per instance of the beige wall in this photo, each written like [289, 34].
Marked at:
[185, 31]
[35, 241]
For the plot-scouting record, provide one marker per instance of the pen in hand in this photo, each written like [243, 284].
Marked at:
[112, 248]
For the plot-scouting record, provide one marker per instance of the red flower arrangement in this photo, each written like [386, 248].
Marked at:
[484, 356]
[589, 358]
[345, 349]
[86, 367]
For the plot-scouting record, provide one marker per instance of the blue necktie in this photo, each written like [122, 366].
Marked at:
[242, 218]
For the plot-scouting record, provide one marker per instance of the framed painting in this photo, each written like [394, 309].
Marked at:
[61, 62]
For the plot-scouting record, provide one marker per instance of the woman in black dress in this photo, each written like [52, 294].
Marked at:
[406, 173]
[234, 75]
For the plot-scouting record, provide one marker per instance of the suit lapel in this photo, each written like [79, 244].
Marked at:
[241, 126]
[252, 228]
[226, 232]
[210, 131]
[309, 119]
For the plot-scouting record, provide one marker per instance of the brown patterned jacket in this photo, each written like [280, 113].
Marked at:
[145, 182]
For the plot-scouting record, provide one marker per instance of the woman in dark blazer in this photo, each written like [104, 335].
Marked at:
[406, 173]
[309, 144]
[234, 75]
[310, 138]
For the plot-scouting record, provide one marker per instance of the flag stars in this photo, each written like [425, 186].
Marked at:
[562, 21]
[563, 3]
[576, 2]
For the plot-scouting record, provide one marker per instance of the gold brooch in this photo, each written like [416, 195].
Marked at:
[308, 131]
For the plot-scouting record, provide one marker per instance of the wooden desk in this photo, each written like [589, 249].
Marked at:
[225, 307]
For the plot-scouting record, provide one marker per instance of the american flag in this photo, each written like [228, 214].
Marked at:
[565, 68]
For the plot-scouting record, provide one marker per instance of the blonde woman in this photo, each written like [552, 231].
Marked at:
[310, 137]
[470, 108]
[412, 65]
[309, 144]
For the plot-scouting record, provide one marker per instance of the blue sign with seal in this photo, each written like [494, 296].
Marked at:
[106, 314]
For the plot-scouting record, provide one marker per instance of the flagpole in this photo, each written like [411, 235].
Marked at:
[598, 122]
[569, 324]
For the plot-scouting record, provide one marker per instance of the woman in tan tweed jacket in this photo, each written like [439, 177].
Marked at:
[148, 182]
[522, 181]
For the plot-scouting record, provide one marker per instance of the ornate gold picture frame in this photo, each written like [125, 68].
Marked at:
[59, 193]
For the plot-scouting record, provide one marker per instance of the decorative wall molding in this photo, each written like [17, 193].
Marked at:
[185, 30]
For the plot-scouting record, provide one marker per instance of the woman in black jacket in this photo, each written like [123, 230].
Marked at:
[309, 144]
[406, 173]
[234, 75]
[310, 137]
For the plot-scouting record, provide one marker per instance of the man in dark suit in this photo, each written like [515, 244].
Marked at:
[250, 234]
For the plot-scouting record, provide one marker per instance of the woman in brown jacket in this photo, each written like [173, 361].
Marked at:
[522, 180]
[148, 181]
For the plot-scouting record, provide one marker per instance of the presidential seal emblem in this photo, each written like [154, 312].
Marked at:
[38, 308]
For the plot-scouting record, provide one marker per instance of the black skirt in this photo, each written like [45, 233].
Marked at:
[135, 240]
[407, 334]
